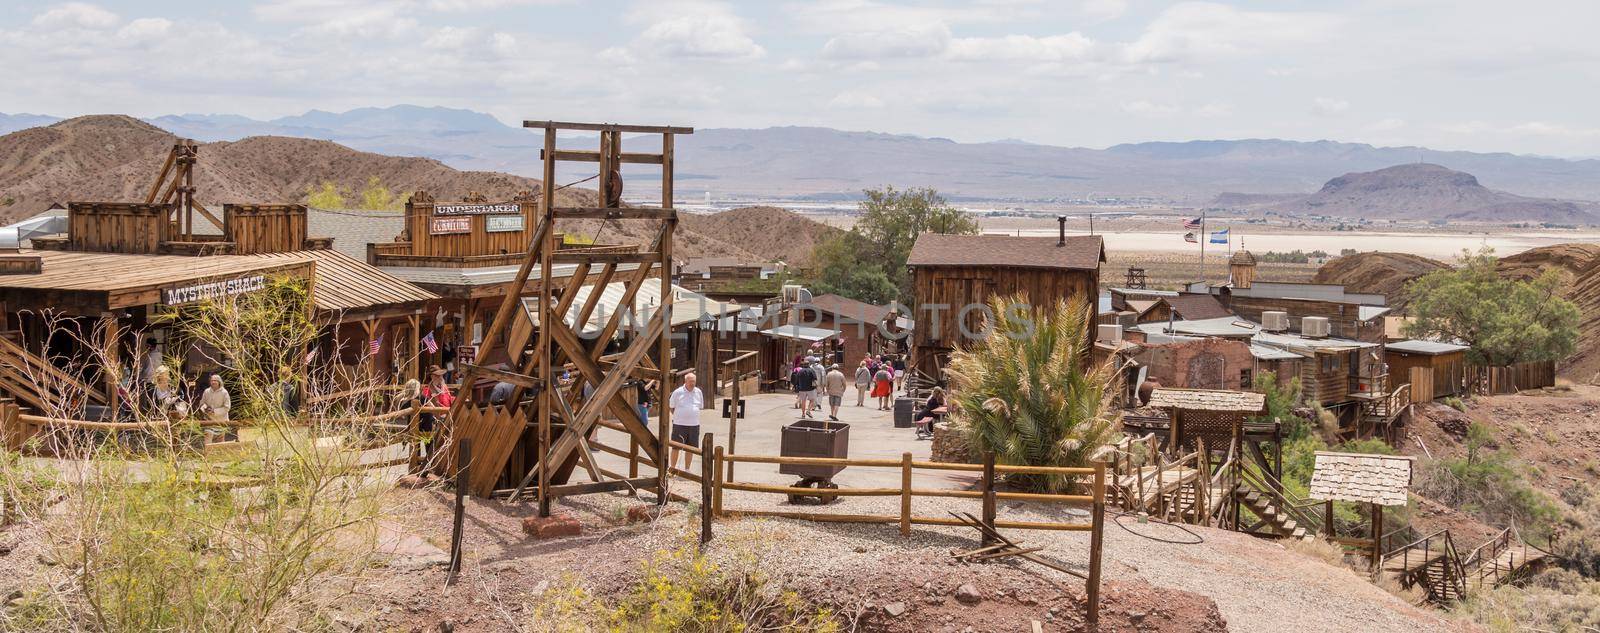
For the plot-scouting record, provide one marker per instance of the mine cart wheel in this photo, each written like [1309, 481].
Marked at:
[818, 499]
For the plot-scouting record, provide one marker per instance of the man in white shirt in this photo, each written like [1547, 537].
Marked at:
[685, 402]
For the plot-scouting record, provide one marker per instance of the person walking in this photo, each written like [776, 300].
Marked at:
[899, 365]
[834, 384]
[804, 383]
[685, 403]
[863, 383]
[883, 386]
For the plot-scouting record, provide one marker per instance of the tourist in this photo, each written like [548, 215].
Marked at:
[804, 383]
[863, 383]
[931, 411]
[834, 384]
[410, 396]
[501, 392]
[213, 407]
[163, 399]
[685, 403]
[899, 365]
[883, 386]
[437, 393]
[288, 389]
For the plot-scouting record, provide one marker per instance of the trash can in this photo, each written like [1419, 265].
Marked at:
[905, 411]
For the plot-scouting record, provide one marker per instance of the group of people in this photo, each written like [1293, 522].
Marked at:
[876, 375]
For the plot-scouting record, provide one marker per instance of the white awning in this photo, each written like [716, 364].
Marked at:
[801, 333]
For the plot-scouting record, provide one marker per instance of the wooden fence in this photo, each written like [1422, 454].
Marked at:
[717, 466]
[1509, 379]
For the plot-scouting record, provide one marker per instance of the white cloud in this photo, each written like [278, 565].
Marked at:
[342, 18]
[1104, 9]
[76, 15]
[699, 30]
[854, 100]
[1147, 108]
[1203, 31]
[910, 41]
[144, 29]
[1328, 106]
[1055, 48]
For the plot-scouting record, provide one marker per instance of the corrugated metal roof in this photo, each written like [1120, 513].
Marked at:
[1368, 313]
[1266, 352]
[687, 307]
[801, 333]
[345, 283]
[1430, 348]
[485, 276]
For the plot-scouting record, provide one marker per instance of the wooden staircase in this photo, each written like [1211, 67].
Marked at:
[1270, 514]
[38, 383]
[1433, 563]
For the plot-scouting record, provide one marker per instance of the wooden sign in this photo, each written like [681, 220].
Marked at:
[212, 290]
[466, 354]
[502, 223]
[505, 208]
[452, 225]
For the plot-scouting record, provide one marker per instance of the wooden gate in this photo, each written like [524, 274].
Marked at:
[1422, 384]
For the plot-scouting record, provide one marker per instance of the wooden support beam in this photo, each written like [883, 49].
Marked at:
[607, 127]
[585, 156]
[619, 213]
[520, 380]
[567, 490]
[604, 258]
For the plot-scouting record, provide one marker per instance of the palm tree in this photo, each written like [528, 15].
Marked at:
[1026, 391]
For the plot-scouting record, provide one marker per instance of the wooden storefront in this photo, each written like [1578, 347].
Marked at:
[955, 276]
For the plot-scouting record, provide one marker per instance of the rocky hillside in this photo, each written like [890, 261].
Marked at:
[1578, 264]
[774, 233]
[109, 157]
[1428, 192]
[1377, 272]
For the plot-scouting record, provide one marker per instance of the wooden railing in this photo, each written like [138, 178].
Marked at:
[1415, 557]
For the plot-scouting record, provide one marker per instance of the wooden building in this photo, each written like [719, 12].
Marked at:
[1434, 369]
[955, 276]
[857, 322]
[126, 264]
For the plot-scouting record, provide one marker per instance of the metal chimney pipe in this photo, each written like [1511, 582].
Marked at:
[1061, 220]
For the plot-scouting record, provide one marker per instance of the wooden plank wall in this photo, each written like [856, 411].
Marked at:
[1421, 383]
[265, 228]
[419, 223]
[957, 286]
[1342, 321]
[1325, 387]
[117, 227]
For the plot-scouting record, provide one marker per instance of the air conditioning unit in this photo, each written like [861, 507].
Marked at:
[1275, 321]
[1316, 327]
[1108, 333]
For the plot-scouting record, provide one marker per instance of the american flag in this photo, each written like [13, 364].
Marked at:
[1190, 238]
[377, 344]
[431, 345]
[1193, 224]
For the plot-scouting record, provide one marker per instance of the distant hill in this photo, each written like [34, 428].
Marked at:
[825, 163]
[1426, 192]
[1377, 273]
[116, 158]
[777, 234]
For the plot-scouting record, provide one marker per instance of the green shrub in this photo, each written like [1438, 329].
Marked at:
[1557, 601]
[1023, 391]
[682, 590]
[1455, 403]
[1487, 484]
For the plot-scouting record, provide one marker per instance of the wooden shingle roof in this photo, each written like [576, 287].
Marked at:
[1360, 477]
[1081, 252]
[1209, 400]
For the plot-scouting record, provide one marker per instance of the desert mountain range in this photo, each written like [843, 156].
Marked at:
[814, 162]
[116, 158]
[1418, 191]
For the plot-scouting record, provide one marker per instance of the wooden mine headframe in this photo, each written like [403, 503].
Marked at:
[179, 189]
[494, 433]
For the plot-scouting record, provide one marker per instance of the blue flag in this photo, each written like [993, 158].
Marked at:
[1219, 237]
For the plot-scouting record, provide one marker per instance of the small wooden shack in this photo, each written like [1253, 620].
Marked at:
[955, 276]
[1434, 369]
[1212, 415]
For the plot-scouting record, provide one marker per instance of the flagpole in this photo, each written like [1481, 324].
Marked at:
[1203, 238]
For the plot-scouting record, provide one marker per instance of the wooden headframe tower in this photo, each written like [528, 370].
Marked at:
[175, 185]
[566, 408]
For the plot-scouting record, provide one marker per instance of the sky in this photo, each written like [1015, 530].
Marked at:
[1480, 75]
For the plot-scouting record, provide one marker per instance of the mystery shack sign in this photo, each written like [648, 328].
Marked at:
[212, 290]
[503, 208]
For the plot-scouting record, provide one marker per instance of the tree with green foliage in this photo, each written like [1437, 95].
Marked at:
[1504, 321]
[1024, 393]
[870, 260]
[377, 196]
[1282, 399]
[845, 268]
[325, 196]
